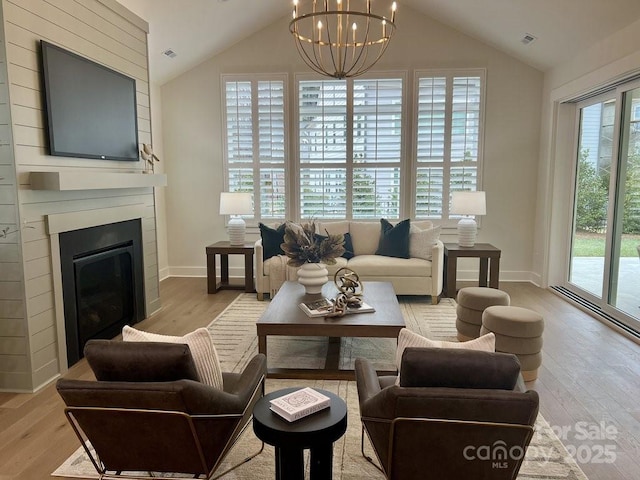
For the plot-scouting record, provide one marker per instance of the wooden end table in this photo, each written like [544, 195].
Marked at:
[224, 249]
[483, 251]
[317, 432]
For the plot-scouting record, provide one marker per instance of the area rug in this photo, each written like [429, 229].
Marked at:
[234, 332]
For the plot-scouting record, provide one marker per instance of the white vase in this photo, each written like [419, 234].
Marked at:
[313, 276]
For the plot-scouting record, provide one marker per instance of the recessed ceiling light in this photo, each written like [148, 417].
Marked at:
[528, 38]
[170, 53]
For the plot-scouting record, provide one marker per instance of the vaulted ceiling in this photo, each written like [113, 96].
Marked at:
[198, 29]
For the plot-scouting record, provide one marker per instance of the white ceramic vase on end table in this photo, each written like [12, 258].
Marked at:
[313, 276]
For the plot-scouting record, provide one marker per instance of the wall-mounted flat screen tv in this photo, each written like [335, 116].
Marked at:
[91, 109]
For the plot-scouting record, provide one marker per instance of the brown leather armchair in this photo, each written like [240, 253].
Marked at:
[147, 411]
[455, 414]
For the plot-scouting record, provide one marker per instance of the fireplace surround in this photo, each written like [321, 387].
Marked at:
[102, 282]
[58, 223]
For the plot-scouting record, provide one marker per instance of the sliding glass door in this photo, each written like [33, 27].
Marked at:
[604, 264]
[624, 289]
[594, 159]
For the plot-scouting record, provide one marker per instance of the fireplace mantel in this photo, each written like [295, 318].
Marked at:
[65, 180]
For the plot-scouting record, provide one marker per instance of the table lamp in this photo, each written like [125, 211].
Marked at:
[468, 203]
[236, 204]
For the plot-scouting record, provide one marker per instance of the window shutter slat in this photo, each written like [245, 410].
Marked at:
[447, 137]
[256, 139]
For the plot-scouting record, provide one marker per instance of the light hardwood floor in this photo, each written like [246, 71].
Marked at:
[590, 374]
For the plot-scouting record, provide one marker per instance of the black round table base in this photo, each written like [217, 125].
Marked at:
[317, 432]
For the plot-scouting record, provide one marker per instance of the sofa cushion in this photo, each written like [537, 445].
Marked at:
[381, 266]
[333, 228]
[394, 240]
[421, 242]
[271, 240]
[202, 349]
[341, 262]
[365, 237]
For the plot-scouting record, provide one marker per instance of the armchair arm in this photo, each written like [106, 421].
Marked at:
[366, 380]
[257, 249]
[262, 282]
[437, 269]
[238, 390]
[251, 376]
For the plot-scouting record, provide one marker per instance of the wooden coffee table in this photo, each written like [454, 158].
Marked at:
[284, 317]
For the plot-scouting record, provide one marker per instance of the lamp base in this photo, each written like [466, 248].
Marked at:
[467, 232]
[236, 228]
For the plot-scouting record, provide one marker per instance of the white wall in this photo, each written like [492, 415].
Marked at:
[158, 150]
[193, 137]
[611, 60]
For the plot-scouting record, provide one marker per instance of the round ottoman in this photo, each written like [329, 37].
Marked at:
[472, 301]
[519, 331]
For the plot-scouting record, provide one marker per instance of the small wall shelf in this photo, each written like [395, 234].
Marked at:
[92, 180]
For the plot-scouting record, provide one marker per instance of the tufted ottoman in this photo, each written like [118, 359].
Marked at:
[519, 331]
[472, 301]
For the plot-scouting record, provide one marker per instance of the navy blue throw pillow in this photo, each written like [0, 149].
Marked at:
[271, 240]
[394, 240]
[348, 247]
[348, 244]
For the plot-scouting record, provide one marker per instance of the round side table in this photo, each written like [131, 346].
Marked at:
[317, 432]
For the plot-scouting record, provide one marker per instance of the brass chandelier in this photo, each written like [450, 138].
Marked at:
[341, 38]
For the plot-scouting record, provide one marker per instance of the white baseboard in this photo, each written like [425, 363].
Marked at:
[234, 272]
[505, 276]
[187, 271]
[164, 273]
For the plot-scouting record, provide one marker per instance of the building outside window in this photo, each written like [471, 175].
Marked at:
[355, 155]
[448, 145]
[256, 141]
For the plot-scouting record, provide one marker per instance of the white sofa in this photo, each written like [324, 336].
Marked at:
[409, 276]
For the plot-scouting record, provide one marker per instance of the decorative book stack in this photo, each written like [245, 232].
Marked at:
[299, 404]
[324, 307]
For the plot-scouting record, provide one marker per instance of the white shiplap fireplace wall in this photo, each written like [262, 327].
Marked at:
[31, 352]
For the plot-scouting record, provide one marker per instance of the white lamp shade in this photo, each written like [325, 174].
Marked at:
[235, 203]
[468, 203]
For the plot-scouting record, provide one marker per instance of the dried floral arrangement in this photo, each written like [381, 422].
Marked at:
[303, 245]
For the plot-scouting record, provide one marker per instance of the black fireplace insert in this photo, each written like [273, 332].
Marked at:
[102, 282]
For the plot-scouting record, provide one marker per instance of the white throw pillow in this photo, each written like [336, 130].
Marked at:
[421, 242]
[202, 349]
[407, 338]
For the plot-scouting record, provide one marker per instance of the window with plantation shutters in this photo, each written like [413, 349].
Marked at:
[256, 141]
[449, 114]
[350, 148]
